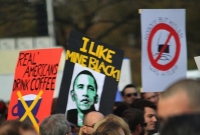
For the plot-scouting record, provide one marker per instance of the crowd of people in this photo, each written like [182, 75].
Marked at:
[175, 111]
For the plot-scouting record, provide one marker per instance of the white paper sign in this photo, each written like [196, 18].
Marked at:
[197, 60]
[164, 56]
[125, 76]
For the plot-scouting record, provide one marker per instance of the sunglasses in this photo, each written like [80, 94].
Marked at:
[131, 94]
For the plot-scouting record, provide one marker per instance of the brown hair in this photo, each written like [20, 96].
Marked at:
[107, 132]
[115, 119]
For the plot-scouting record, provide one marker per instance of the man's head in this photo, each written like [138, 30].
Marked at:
[55, 124]
[187, 124]
[3, 111]
[129, 93]
[182, 97]
[135, 119]
[84, 91]
[150, 96]
[149, 109]
[90, 119]
[16, 127]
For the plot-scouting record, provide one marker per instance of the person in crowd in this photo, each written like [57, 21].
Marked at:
[74, 128]
[3, 111]
[55, 124]
[84, 94]
[150, 117]
[150, 96]
[116, 119]
[90, 119]
[117, 104]
[135, 119]
[107, 132]
[119, 110]
[15, 127]
[129, 93]
[182, 97]
[109, 125]
[186, 124]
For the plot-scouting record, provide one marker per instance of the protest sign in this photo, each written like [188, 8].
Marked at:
[90, 79]
[197, 61]
[164, 57]
[34, 84]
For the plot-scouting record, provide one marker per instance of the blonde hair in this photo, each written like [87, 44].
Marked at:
[107, 132]
[115, 119]
[108, 125]
[81, 132]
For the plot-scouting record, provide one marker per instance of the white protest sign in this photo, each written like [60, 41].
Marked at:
[164, 57]
[197, 60]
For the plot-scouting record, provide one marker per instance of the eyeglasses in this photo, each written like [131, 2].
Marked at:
[131, 94]
[92, 126]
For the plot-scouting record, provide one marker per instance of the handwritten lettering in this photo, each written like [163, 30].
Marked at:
[94, 63]
[26, 59]
[76, 58]
[100, 52]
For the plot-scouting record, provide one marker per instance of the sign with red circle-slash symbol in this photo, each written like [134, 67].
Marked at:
[154, 60]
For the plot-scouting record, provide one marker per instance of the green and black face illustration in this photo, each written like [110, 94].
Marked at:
[84, 91]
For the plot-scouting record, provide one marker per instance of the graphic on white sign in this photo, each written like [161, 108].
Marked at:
[164, 54]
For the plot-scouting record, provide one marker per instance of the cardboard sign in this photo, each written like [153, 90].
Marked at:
[34, 84]
[197, 61]
[90, 79]
[164, 57]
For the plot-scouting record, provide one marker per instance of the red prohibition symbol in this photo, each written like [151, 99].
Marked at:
[154, 61]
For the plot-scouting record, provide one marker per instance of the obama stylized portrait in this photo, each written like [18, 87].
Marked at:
[85, 92]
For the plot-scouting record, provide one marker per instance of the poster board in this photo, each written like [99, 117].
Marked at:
[34, 84]
[90, 79]
[197, 61]
[164, 56]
